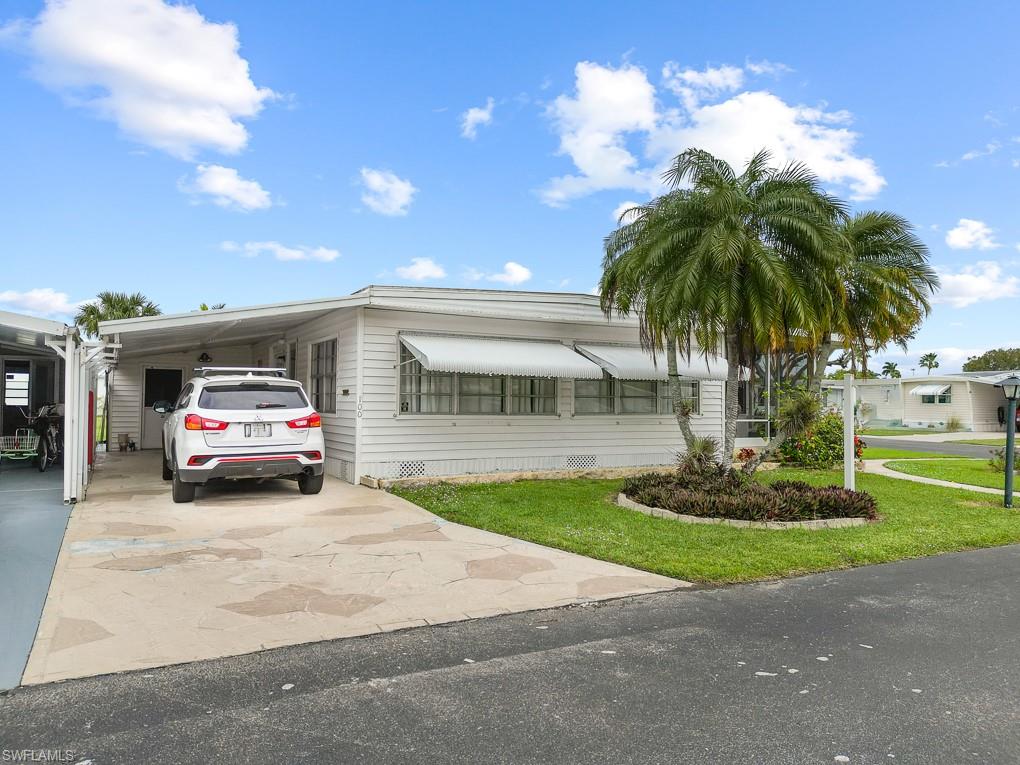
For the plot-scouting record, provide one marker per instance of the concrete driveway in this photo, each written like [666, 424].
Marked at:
[142, 582]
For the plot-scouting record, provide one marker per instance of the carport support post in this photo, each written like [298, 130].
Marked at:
[71, 371]
[849, 473]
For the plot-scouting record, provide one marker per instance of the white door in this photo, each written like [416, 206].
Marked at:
[160, 385]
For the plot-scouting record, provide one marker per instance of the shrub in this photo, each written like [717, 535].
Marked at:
[953, 424]
[700, 449]
[820, 446]
[745, 454]
[711, 490]
[998, 460]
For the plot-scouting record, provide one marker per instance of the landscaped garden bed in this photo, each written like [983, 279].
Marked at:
[712, 491]
[581, 515]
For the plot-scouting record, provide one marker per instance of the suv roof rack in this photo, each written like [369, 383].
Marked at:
[250, 371]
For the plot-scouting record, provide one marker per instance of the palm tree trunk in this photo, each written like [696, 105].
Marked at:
[821, 359]
[732, 397]
[682, 414]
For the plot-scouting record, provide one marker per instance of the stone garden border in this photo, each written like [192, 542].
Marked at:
[814, 525]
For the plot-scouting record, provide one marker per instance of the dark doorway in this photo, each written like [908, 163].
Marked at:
[160, 385]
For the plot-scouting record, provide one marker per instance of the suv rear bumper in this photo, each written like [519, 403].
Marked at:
[251, 466]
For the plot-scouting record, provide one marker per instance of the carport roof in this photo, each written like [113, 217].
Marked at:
[28, 332]
[224, 326]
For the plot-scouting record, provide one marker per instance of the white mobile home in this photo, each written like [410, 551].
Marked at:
[415, 381]
[931, 401]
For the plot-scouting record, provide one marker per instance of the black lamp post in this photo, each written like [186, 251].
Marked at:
[1011, 390]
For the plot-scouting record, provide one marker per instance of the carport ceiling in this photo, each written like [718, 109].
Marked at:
[211, 329]
[27, 334]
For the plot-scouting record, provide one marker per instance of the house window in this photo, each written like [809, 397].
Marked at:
[533, 395]
[481, 394]
[942, 398]
[595, 396]
[422, 391]
[425, 392]
[690, 394]
[632, 396]
[639, 397]
[323, 376]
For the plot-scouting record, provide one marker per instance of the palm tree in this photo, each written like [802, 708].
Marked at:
[930, 361]
[108, 306]
[891, 369]
[884, 288]
[725, 260]
[213, 307]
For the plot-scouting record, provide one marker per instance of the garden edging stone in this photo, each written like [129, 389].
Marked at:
[814, 525]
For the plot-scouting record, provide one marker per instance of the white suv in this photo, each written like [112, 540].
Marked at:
[235, 422]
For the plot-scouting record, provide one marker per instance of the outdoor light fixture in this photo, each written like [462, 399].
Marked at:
[205, 358]
[1011, 390]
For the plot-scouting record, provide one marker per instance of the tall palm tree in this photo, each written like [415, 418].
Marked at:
[884, 289]
[213, 307]
[929, 361]
[108, 306]
[737, 262]
[891, 369]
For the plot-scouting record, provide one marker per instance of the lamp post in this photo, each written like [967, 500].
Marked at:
[1011, 390]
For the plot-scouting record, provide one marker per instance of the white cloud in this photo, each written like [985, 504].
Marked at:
[385, 192]
[982, 281]
[692, 85]
[608, 104]
[475, 117]
[421, 269]
[43, 301]
[613, 106]
[165, 75]
[227, 188]
[769, 68]
[990, 148]
[622, 208]
[281, 251]
[512, 273]
[971, 234]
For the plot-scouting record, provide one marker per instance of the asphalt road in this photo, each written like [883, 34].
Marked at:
[915, 662]
[934, 447]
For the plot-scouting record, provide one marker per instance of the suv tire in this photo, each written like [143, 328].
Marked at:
[182, 492]
[309, 484]
[168, 472]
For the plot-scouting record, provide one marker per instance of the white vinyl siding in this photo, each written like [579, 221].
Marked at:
[450, 442]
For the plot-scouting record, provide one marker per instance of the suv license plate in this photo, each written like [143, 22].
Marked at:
[258, 430]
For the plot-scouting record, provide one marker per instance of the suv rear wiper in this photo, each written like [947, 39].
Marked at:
[270, 405]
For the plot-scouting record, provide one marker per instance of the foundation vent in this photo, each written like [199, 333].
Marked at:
[410, 469]
[581, 462]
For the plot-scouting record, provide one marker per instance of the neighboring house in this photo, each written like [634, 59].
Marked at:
[427, 381]
[929, 401]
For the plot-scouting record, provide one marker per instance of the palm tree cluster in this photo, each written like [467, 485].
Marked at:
[109, 306]
[759, 262]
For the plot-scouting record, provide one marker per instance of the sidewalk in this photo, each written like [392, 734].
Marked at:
[940, 438]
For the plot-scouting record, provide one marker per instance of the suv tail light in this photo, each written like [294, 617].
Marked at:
[313, 420]
[197, 422]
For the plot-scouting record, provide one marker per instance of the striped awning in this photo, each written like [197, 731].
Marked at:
[494, 356]
[936, 389]
[630, 362]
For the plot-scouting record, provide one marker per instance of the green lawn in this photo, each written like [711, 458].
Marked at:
[882, 453]
[580, 515]
[896, 431]
[973, 472]
[985, 441]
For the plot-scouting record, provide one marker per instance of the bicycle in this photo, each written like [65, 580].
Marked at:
[48, 423]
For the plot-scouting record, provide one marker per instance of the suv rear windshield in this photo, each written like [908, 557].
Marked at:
[252, 396]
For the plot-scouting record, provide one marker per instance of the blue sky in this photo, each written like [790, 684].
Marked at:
[258, 152]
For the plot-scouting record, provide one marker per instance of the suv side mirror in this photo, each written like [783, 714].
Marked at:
[162, 407]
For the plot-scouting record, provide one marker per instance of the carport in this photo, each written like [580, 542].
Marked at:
[34, 506]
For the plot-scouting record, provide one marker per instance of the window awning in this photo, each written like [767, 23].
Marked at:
[931, 390]
[491, 356]
[629, 362]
